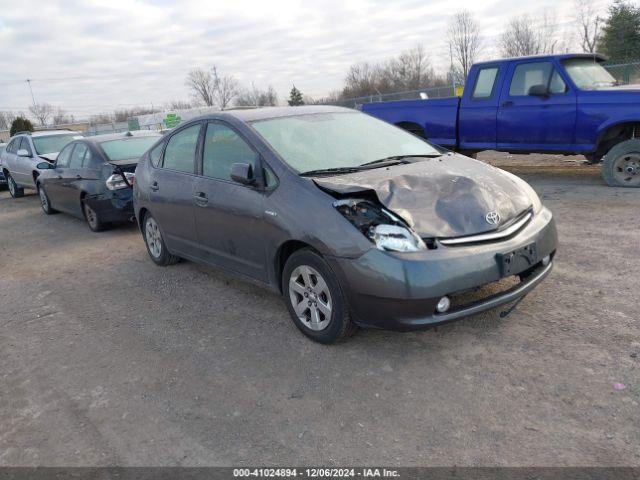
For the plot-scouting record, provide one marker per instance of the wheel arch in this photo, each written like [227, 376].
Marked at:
[612, 134]
[412, 127]
[283, 253]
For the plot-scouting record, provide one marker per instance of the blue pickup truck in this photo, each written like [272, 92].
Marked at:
[566, 104]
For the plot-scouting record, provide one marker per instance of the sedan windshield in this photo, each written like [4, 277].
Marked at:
[338, 140]
[127, 148]
[52, 144]
[588, 74]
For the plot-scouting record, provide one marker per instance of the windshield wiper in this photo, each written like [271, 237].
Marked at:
[395, 159]
[329, 171]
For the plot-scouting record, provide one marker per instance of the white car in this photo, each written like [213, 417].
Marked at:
[25, 151]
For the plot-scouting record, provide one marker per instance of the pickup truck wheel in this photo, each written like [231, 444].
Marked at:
[621, 165]
[14, 189]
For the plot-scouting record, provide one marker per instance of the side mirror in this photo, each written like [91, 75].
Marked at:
[538, 91]
[242, 173]
[44, 166]
[23, 153]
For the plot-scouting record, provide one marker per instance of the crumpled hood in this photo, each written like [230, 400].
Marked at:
[448, 196]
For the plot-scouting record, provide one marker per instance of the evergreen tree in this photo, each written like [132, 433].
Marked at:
[295, 97]
[21, 124]
[620, 39]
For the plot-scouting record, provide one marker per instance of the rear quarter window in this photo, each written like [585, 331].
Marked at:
[156, 154]
[485, 83]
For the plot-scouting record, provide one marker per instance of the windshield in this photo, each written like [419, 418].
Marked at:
[51, 144]
[588, 74]
[127, 148]
[337, 140]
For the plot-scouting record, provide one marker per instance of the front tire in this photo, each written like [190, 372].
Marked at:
[44, 201]
[315, 298]
[14, 189]
[621, 165]
[156, 247]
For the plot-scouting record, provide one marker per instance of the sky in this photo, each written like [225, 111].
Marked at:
[88, 57]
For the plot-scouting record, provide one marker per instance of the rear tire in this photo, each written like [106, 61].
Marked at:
[154, 242]
[93, 219]
[621, 165]
[14, 189]
[315, 299]
[44, 200]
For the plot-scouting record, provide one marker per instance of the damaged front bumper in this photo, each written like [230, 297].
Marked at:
[400, 291]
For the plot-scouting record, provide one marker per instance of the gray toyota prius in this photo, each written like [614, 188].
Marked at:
[354, 221]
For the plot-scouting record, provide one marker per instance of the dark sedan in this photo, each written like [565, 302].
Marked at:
[92, 178]
[354, 221]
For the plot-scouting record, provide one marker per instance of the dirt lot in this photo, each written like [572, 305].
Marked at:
[107, 359]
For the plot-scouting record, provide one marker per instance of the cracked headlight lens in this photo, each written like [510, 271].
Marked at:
[395, 238]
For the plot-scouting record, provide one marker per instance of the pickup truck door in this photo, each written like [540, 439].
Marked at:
[479, 108]
[537, 110]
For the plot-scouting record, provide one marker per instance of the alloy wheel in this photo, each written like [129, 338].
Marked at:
[12, 186]
[310, 297]
[626, 169]
[43, 199]
[153, 237]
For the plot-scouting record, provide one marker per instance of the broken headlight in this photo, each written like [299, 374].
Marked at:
[383, 228]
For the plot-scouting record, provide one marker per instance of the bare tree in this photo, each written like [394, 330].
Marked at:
[410, 71]
[179, 105]
[202, 85]
[7, 118]
[254, 97]
[464, 41]
[61, 117]
[527, 36]
[42, 112]
[589, 24]
[226, 88]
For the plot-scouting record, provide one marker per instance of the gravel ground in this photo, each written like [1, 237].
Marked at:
[106, 359]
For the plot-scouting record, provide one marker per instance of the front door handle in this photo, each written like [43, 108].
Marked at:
[201, 199]
[508, 103]
[59, 177]
[78, 177]
[154, 186]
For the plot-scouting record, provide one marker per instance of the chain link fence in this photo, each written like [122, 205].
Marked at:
[625, 73]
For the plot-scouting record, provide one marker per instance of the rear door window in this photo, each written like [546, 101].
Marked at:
[527, 75]
[485, 83]
[180, 153]
[77, 157]
[64, 156]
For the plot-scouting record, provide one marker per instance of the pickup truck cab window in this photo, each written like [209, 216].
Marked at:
[527, 75]
[485, 82]
[556, 84]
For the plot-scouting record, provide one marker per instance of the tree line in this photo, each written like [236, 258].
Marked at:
[617, 36]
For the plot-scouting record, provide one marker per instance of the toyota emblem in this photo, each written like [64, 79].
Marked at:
[492, 218]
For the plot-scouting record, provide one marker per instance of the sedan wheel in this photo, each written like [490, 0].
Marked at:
[93, 220]
[44, 201]
[155, 244]
[14, 189]
[315, 298]
[310, 297]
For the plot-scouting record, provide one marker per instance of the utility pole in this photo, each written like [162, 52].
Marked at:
[32, 97]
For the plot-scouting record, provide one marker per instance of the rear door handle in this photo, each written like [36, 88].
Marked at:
[154, 186]
[508, 103]
[60, 177]
[201, 199]
[78, 177]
